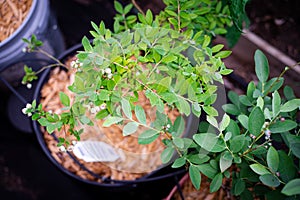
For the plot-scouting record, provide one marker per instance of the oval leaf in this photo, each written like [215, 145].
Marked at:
[111, 120]
[259, 169]
[261, 66]
[126, 108]
[273, 159]
[167, 154]
[64, 99]
[290, 105]
[256, 121]
[140, 114]
[130, 128]
[195, 176]
[225, 163]
[209, 142]
[276, 101]
[292, 187]
[216, 183]
[179, 162]
[282, 126]
[269, 180]
[148, 136]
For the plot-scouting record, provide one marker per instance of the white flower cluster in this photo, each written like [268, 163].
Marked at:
[94, 109]
[26, 110]
[62, 148]
[76, 65]
[108, 73]
[267, 134]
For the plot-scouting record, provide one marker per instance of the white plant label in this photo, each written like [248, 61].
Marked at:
[95, 151]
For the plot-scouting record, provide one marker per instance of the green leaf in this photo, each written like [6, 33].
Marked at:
[170, 98]
[292, 187]
[223, 54]
[276, 101]
[164, 84]
[269, 180]
[196, 109]
[179, 162]
[286, 169]
[239, 187]
[102, 114]
[237, 143]
[250, 90]
[233, 128]
[245, 100]
[118, 7]
[103, 95]
[290, 105]
[260, 102]
[64, 99]
[295, 145]
[243, 119]
[167, 154]
[126, 108]
[183, 106]
[256, 121]
[112, 120]
[217, 48]
[178, 142]
[273, 85]
[86, 44]
[288, 93]
[130, 128]
[50, 128]
[212, 121]
[273, 159]
[140, 114]
[195, 176]
[261, 66]
[168, 58]
[210, 110]
[148, 136]
[224, 123]
[206, 41]
[282, 126]
[128, 8]
[208, 170]
[149, 17]
[225, 163]
[179, 126]
[231, 109]
[216, 183]
[227, 136]
[210, 142]
[259, 169]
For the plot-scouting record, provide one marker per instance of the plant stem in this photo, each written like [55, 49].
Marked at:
[281, 75]
[137, 7]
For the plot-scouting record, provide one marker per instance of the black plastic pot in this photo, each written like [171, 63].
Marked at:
[163, 176]
[41, 22]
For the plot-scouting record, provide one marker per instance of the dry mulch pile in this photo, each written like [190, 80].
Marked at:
[12, 15]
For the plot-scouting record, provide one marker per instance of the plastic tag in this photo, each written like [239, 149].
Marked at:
[95, 151]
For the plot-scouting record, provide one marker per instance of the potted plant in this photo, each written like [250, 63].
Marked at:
[254, 151]
[166, 59]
